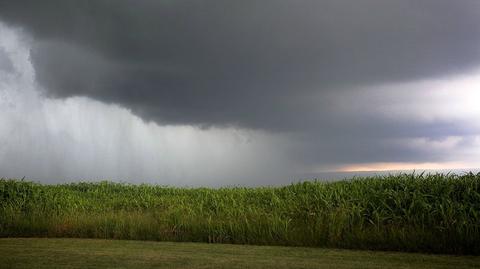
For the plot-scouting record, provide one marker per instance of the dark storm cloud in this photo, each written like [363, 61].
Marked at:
[272, 65]
[252, 64]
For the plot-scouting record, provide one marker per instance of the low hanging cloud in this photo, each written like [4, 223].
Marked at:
[58, 140]
[314, 85]
[242, 63]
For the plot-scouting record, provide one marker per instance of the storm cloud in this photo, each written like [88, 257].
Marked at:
[245, 63]
[340, 81]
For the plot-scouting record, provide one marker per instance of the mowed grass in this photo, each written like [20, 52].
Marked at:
[94, 253]
[407, 212]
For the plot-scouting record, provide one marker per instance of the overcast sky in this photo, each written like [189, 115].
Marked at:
[236, 92]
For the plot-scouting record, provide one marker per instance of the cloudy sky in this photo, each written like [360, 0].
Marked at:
[236, 92]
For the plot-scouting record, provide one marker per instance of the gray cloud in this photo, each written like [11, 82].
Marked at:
[337, 80]
[5, 63]
[245, 63]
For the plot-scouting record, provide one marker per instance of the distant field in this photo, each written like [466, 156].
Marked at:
[88, 253]
[422, 213]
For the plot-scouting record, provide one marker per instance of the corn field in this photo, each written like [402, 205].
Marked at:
[408, 212]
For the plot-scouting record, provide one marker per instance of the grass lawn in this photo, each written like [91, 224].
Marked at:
[93, 253]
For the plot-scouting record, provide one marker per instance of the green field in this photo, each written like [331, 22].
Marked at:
[89, 253]
[406, 212]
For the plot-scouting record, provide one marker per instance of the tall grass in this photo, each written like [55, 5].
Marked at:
[429, 213]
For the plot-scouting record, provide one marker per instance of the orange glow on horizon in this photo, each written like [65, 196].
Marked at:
[405, 166]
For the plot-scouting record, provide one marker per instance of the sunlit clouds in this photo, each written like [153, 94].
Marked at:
[454, 98]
